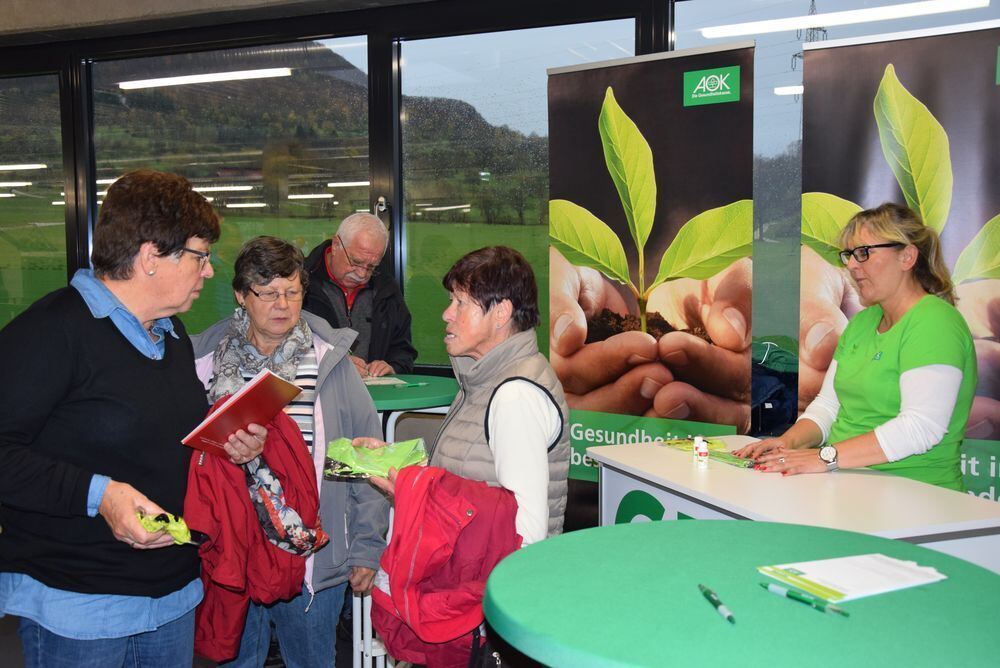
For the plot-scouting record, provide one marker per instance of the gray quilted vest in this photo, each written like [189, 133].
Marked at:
[461, 445]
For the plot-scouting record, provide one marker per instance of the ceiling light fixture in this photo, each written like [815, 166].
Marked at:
[789, 90]
[17, 168]
[211, 77]
[348, 184]
[828, 19]
[447, 208]
[222, 189]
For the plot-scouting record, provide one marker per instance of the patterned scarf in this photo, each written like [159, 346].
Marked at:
[235, 354]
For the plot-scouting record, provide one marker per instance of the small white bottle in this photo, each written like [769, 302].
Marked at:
[700, 451]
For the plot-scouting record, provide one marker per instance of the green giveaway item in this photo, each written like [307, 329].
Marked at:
[716, 450]
[175, 526]
[345, 460]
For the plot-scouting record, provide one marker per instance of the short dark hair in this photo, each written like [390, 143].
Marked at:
[490, 275]
[262, 259]
[150, 206]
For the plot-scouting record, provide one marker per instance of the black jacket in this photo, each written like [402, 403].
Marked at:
[391, 340]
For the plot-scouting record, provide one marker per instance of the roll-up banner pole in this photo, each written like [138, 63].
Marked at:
[912, 118]
[651, 232]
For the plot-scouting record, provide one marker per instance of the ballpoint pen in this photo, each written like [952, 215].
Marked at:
[403, 385]
[712, 598]
[811, 601]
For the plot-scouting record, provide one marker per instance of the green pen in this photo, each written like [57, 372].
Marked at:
[403, 385]
[811, 601]
[713, 598]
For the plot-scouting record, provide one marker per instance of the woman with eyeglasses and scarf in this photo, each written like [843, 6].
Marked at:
[270, 330]
[898, 393]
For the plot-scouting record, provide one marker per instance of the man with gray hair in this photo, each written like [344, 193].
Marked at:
[347, 290]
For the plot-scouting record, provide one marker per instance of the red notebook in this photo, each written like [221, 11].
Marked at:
[258, 402]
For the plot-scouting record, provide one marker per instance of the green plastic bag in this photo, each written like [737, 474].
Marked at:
[345, 460]
[173, 525]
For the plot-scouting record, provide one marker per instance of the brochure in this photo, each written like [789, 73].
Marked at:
[848, 578]
[256, 402]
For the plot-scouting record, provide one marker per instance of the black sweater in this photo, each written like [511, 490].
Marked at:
[79, 399]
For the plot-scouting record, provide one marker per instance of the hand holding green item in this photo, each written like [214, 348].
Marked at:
[346, 460]
[173, 525]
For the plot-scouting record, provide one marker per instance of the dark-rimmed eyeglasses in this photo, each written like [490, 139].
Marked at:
[861, 252]
[203, 256]
[293, 295]
[360, 266]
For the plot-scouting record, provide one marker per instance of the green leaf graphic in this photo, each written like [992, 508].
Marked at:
[586, 241]
[708, 243]
[981, 258]
[916, 148]
[824, 216]
[630, 163]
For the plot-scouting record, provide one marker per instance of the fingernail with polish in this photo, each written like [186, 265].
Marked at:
[738, 322]
[649, 388]
[817, 333]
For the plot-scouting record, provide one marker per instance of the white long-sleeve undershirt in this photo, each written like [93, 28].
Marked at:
[927, 399]
[523, 422]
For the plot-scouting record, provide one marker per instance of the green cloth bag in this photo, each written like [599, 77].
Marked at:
[345, 460]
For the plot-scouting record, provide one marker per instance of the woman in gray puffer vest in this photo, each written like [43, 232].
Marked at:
[507, 425]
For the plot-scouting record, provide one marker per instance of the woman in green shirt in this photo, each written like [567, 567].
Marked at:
[898, 392]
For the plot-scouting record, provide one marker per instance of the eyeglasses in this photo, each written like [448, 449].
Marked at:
[361, 266]
[293, 295]
[861, 252]
[203, 256]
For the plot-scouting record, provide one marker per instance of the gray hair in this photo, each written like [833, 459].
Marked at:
[361, 221]
[262, 259]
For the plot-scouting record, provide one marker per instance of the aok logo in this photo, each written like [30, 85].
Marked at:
[713, 86]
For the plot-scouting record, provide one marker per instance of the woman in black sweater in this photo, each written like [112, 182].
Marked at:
[99, 388]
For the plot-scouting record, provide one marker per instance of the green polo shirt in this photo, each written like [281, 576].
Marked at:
[869, 365]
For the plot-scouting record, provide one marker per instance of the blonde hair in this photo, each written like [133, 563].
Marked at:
[893, 222]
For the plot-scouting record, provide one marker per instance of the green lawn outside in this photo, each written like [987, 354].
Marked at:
[33, 263]
[434, 247]
[32, 252]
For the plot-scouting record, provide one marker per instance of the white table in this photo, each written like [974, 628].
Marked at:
[863, 500]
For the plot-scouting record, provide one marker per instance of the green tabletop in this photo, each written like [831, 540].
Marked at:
[436, 391]
[627, 595]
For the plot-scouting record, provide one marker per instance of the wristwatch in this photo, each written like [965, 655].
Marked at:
[828, 454]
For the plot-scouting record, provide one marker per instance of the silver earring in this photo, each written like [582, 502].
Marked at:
[151, 272]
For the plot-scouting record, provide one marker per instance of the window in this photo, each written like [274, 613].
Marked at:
[276, 136]
[32, 223]
[475, 153]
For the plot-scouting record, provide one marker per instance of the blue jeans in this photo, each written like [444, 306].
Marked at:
[170, 646]
[307, 639]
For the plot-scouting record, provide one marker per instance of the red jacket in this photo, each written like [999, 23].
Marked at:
[448, 534]
[238, 563]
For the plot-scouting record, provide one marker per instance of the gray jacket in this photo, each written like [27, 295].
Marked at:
[354, 514]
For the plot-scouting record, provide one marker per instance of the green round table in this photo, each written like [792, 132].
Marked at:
[627, 595]
[421, 394]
